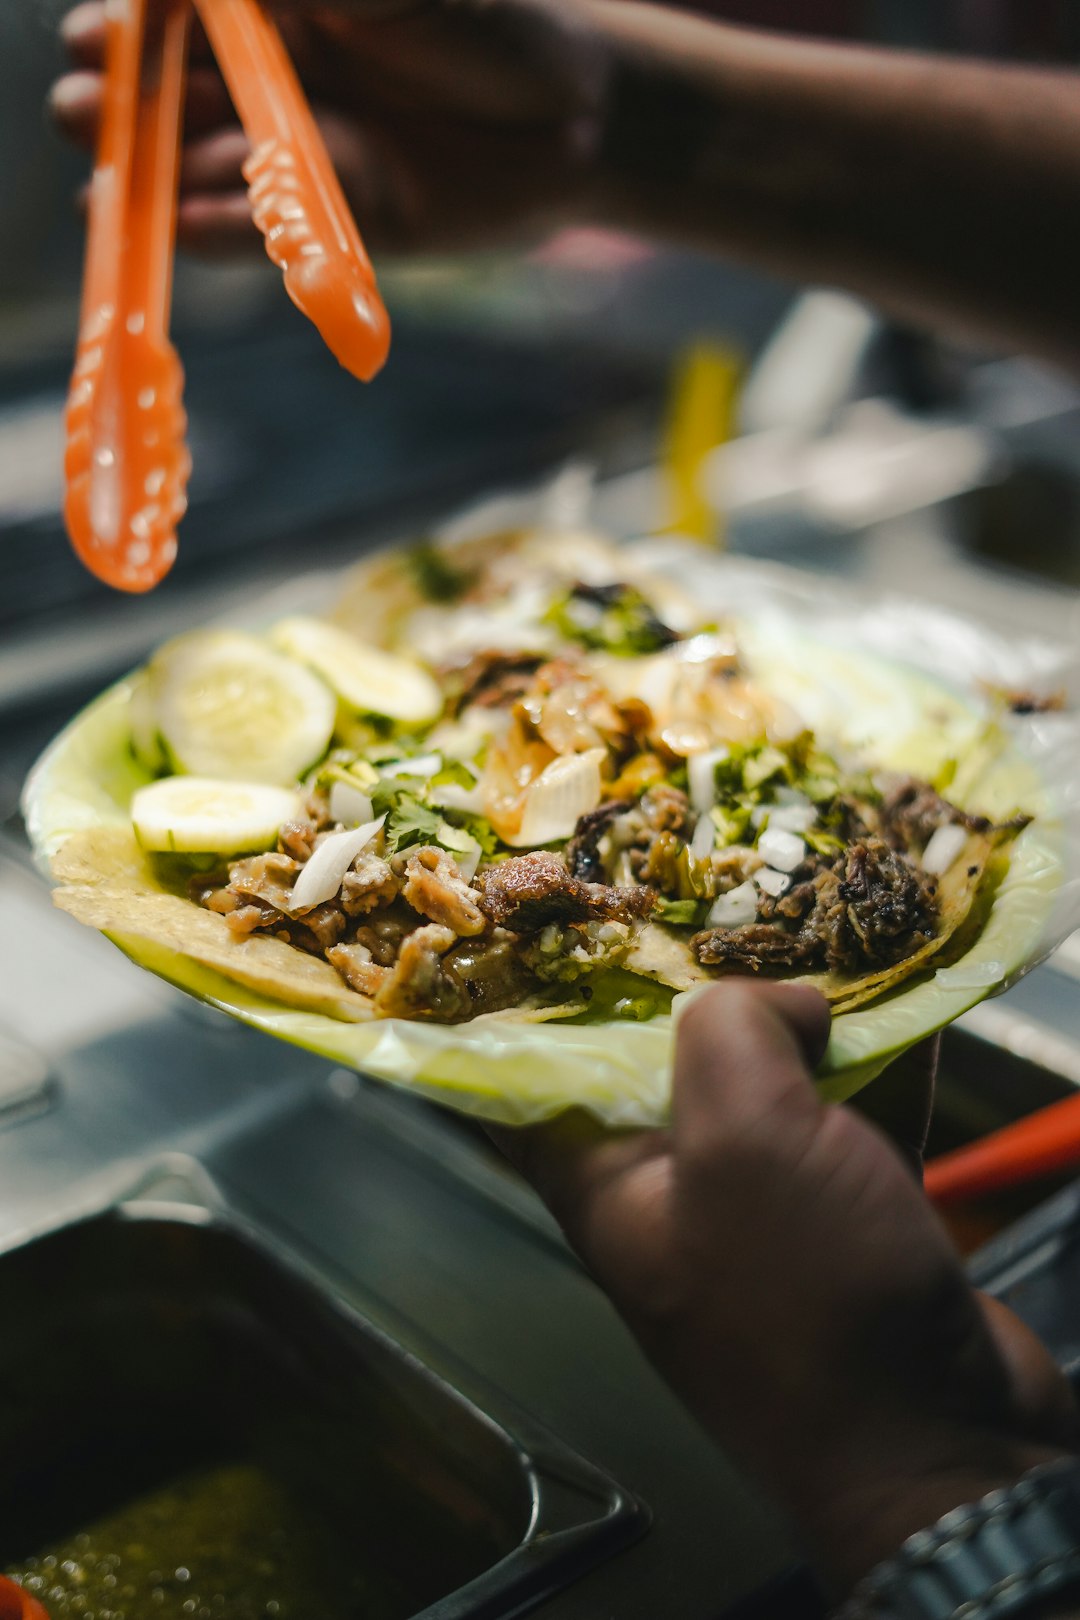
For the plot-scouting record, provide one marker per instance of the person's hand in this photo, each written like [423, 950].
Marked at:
[778, 1262]
[452, 125]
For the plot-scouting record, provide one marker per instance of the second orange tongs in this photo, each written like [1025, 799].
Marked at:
[297, 201]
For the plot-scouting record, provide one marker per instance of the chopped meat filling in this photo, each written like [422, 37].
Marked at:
[583, 857]
[757, 946]
[492, 680]
[871, 909]
[370, 883]
[421, 984]
[435, 887]
[912, 812]
[527, 892]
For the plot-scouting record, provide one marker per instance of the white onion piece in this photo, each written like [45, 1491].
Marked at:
[452, 796]
[422, 765]
[781, 849]
[704, 839]
[348, 805]
[945, 846]
[792, 818]
[565, 790]
[324, 873]
[701, 776]
[734, 909]
[772, 882]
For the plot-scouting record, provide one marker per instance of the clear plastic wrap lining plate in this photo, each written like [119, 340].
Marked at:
[897, 682]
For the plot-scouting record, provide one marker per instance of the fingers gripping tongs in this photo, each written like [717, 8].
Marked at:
[127, 463]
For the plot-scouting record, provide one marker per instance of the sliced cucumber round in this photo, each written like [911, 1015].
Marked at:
[146, 742]
[366, 679]
[200, 815]
[229, 706]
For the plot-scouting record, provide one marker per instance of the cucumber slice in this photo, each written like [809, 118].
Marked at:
[146, 742]
[229, 706]
[200, 815]
[366, 679]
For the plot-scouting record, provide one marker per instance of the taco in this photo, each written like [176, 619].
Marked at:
[523, 781]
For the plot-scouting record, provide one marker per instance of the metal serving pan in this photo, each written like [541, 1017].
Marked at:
[156, 1340]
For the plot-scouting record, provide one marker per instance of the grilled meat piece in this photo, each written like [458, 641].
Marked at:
[492, 680]
[421, 984]
[583, 851]
[757, 946]
[297, 838]
[666, 809]
[267, 879]
[369, 883]
[527, 892]
[493, 971]
[873, 908]
[912, 811]
[434, 887]
[355, 964]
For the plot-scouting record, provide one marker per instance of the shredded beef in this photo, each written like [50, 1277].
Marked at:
[492, 680]
[421, 984]
[434, 887]
[757, 946]
[873, 908]
[527, 892]
[583, 851]
[912, 811]
[869, 910]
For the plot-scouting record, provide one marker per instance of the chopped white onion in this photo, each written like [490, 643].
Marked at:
[945, 846]
[348, 805]
[422, 765]
[452, 796]
[701, 776]
[734, 909]
[772, 882]
[322, 877]
[565, 790]
[793, 818]
[781, 849]
[703, 842]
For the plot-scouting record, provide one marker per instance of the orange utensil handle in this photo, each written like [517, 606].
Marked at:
[1046, 1143]
[127, 463]
[297, 201]
[17, 1604]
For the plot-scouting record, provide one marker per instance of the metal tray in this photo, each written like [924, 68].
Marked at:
[155, 1338]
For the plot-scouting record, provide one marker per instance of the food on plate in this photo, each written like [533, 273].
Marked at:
[525, 780]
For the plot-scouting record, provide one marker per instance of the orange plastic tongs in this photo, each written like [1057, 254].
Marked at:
[127, 462]
[296, 198]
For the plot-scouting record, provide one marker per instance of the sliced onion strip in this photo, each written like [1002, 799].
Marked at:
[324, 873]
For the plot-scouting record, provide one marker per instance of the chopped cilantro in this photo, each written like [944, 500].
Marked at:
[435, 575]
[732, 823]
[609, 618]
[408, 821]
[681, 913]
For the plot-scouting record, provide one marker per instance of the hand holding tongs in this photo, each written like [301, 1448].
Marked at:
[127, 461]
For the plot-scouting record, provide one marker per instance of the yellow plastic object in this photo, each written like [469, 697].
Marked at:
[127, 464]
[702, 415]
[297, 201]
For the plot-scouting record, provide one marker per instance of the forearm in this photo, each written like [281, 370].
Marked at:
[947, 191]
